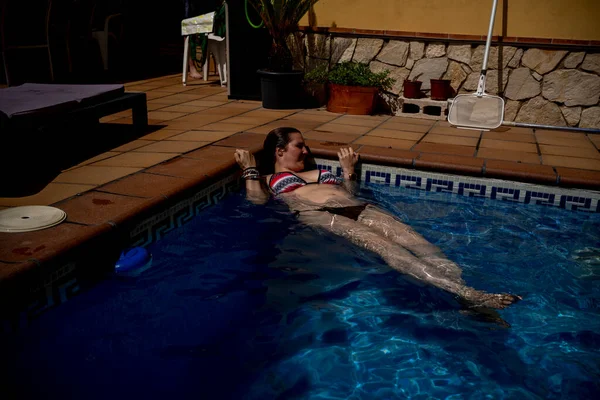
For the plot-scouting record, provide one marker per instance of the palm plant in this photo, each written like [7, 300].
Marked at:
[281, 18]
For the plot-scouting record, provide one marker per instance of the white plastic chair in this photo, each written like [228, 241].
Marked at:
[203, 24]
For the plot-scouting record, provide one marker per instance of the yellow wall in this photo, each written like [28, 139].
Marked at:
[564, 19]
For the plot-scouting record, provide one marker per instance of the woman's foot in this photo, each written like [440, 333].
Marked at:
[492, 300]
[499, 301]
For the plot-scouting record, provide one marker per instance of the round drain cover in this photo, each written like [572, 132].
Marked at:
[30, 218]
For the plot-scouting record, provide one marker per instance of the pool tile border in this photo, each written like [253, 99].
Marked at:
[488, 188]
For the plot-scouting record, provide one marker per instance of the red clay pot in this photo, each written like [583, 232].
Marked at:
[440, 89]
[356, 100]
[412, 89]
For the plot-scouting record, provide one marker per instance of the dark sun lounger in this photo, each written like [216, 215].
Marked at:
[34, 104]
[46, 128]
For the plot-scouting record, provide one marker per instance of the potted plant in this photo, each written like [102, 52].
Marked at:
[353, 88]
[315, 85]
[281, 85]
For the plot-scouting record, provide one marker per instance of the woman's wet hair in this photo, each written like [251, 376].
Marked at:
[278, 138]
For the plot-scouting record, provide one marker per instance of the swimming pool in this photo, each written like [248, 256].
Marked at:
[244, 303]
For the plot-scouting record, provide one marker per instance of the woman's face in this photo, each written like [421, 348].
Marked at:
[292, 157]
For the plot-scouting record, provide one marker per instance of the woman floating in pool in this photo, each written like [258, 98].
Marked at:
[321, 199]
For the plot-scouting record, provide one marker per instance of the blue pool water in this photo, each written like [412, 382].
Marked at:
[245, 303]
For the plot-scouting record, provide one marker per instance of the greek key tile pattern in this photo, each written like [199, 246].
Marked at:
[494, 189]
[155, 227]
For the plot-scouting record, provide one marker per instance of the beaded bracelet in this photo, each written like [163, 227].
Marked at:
[251, 173]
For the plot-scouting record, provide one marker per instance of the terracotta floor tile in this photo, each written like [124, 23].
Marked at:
[522, 171]
[202, 117]
[450, 163]
[571, 162]
[335, 127]
[401, 126]
[97, 158]
[510, 136]
[497, 154]
[395, 134]
[594, 138]
[212, 152]
[153, 107]
[450, 131]
[571, 176]
[254, 121]
[312, 117]
[45, 244]
[411, 121]
[156, 95]
[144, 185]
[162, 134]
[91, 175]
[273, 114]
[136, 144]
[223, 112]
[445, 149]
[559, 134]
[546, 149]
[511, 130]
[575, 141]
[135, 159]
[382, 155]
[171, 146]
[185, 125]
[52, 193]
[226, 127]
[96, 208]
[504, 145]
[335, 137]
[184, 167]
[174, 89]
[167, 100]
[201, 136]
[243, 104]
[164, 115]
[359, 121]
[385, 142]
[447, 139]
[245, 140]
[183, 108]
[301, 126]
[203, 103]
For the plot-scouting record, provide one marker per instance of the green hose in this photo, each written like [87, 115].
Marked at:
[248, 18]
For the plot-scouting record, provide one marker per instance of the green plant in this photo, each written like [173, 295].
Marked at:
[319, 74]
[281, 17]
[350, 73]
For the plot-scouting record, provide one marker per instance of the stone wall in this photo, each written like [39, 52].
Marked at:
[540, 86]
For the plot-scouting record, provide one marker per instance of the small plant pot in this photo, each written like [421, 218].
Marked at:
[316, 94]
[412, 89]
[356, 100]
[440, 89]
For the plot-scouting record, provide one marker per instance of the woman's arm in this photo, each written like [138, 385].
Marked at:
[348, 159]
[255, 191]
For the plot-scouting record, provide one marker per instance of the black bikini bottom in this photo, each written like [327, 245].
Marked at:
[351, 212]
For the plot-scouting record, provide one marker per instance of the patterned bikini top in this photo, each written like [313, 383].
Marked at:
[284, 182]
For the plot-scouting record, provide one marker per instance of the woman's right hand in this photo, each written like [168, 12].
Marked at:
[244, 158]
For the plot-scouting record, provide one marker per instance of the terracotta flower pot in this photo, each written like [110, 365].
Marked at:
[440, 89]
[356, 100]
[412, 89]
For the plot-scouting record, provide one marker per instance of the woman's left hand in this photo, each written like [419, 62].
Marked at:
[348, 158]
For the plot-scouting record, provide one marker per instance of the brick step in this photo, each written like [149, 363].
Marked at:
[423, 108]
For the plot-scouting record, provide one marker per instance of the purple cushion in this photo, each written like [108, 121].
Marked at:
[39, 97]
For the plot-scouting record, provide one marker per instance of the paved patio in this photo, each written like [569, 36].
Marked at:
[196, 128]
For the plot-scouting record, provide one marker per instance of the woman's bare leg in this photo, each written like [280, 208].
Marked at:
[390, 227]
[402, 260]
